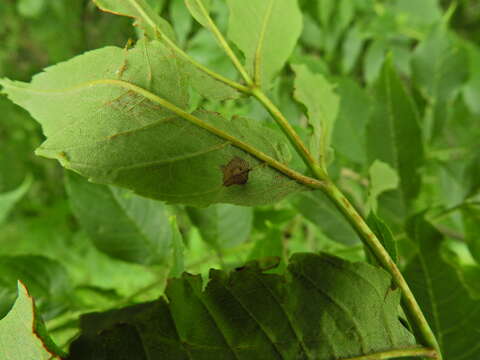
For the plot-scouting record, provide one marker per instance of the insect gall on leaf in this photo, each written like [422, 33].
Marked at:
[235, 172]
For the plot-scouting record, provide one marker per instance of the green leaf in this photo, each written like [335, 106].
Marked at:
[198, 9]
[31, 8]
[425, 12]
[471, 90]
[471, 224]
[351, 48]
[178, 266]
[325, 308]
[394, 134]
[384, 234]
[453, 315]
[121, 224]
[9, 199]
[440, 68]
[22, 335]
[46, 278]
[373, 60]
[349, 134]
[147, 19]
[322, 104]
[317, 208]
[223, 226]
[270, 247]
[382, 178]
[440, 64]
[181, 20]
[325, 10]
[134, 131]
[266, 31]
[471, 175]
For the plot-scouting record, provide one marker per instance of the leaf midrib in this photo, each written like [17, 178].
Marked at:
[300, 178]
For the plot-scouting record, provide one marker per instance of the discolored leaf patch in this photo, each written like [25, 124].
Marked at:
[235, 172]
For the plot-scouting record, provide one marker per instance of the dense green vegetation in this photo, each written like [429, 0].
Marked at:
[240, 179]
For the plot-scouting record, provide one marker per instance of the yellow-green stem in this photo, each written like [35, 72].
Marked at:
[419, 322]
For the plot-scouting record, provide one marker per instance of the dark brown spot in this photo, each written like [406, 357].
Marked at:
[235, 172]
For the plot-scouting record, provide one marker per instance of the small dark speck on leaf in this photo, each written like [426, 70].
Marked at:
[235, 172]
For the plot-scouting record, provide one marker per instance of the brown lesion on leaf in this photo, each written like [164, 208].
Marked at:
[236, 172]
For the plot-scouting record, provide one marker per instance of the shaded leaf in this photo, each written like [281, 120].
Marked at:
[440, 68]
[382, 178]
[384, 234]
[471, 224]
[453, 315]
[47, 280]
[178, 265]
[266, 31]
[198, 8]
[325, 308]
[134, 132]
[349, 134]
[122, 225]
[22, 335]
[148, 20]
[9, 199]
[394, 134]
[322, 104]
[270, 247]
[181, 20]
[317, 208]
[223, 225]
[440, 64]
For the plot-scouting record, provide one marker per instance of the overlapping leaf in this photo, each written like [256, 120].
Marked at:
[325, 308]
[223, 225]
[158, 28]
[47, 280]
[452, 313]
[322, 104]
[395, 136]
[22, 335]
[121, 224]
[317, 208]
[148, 20]
[104, 116]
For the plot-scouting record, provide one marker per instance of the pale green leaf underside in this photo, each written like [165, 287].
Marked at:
[18, 339]
[157, 28]
[324, 309]
[106, 118]
[266, 31]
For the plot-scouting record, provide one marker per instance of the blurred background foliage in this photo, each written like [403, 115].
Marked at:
[48, 240]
